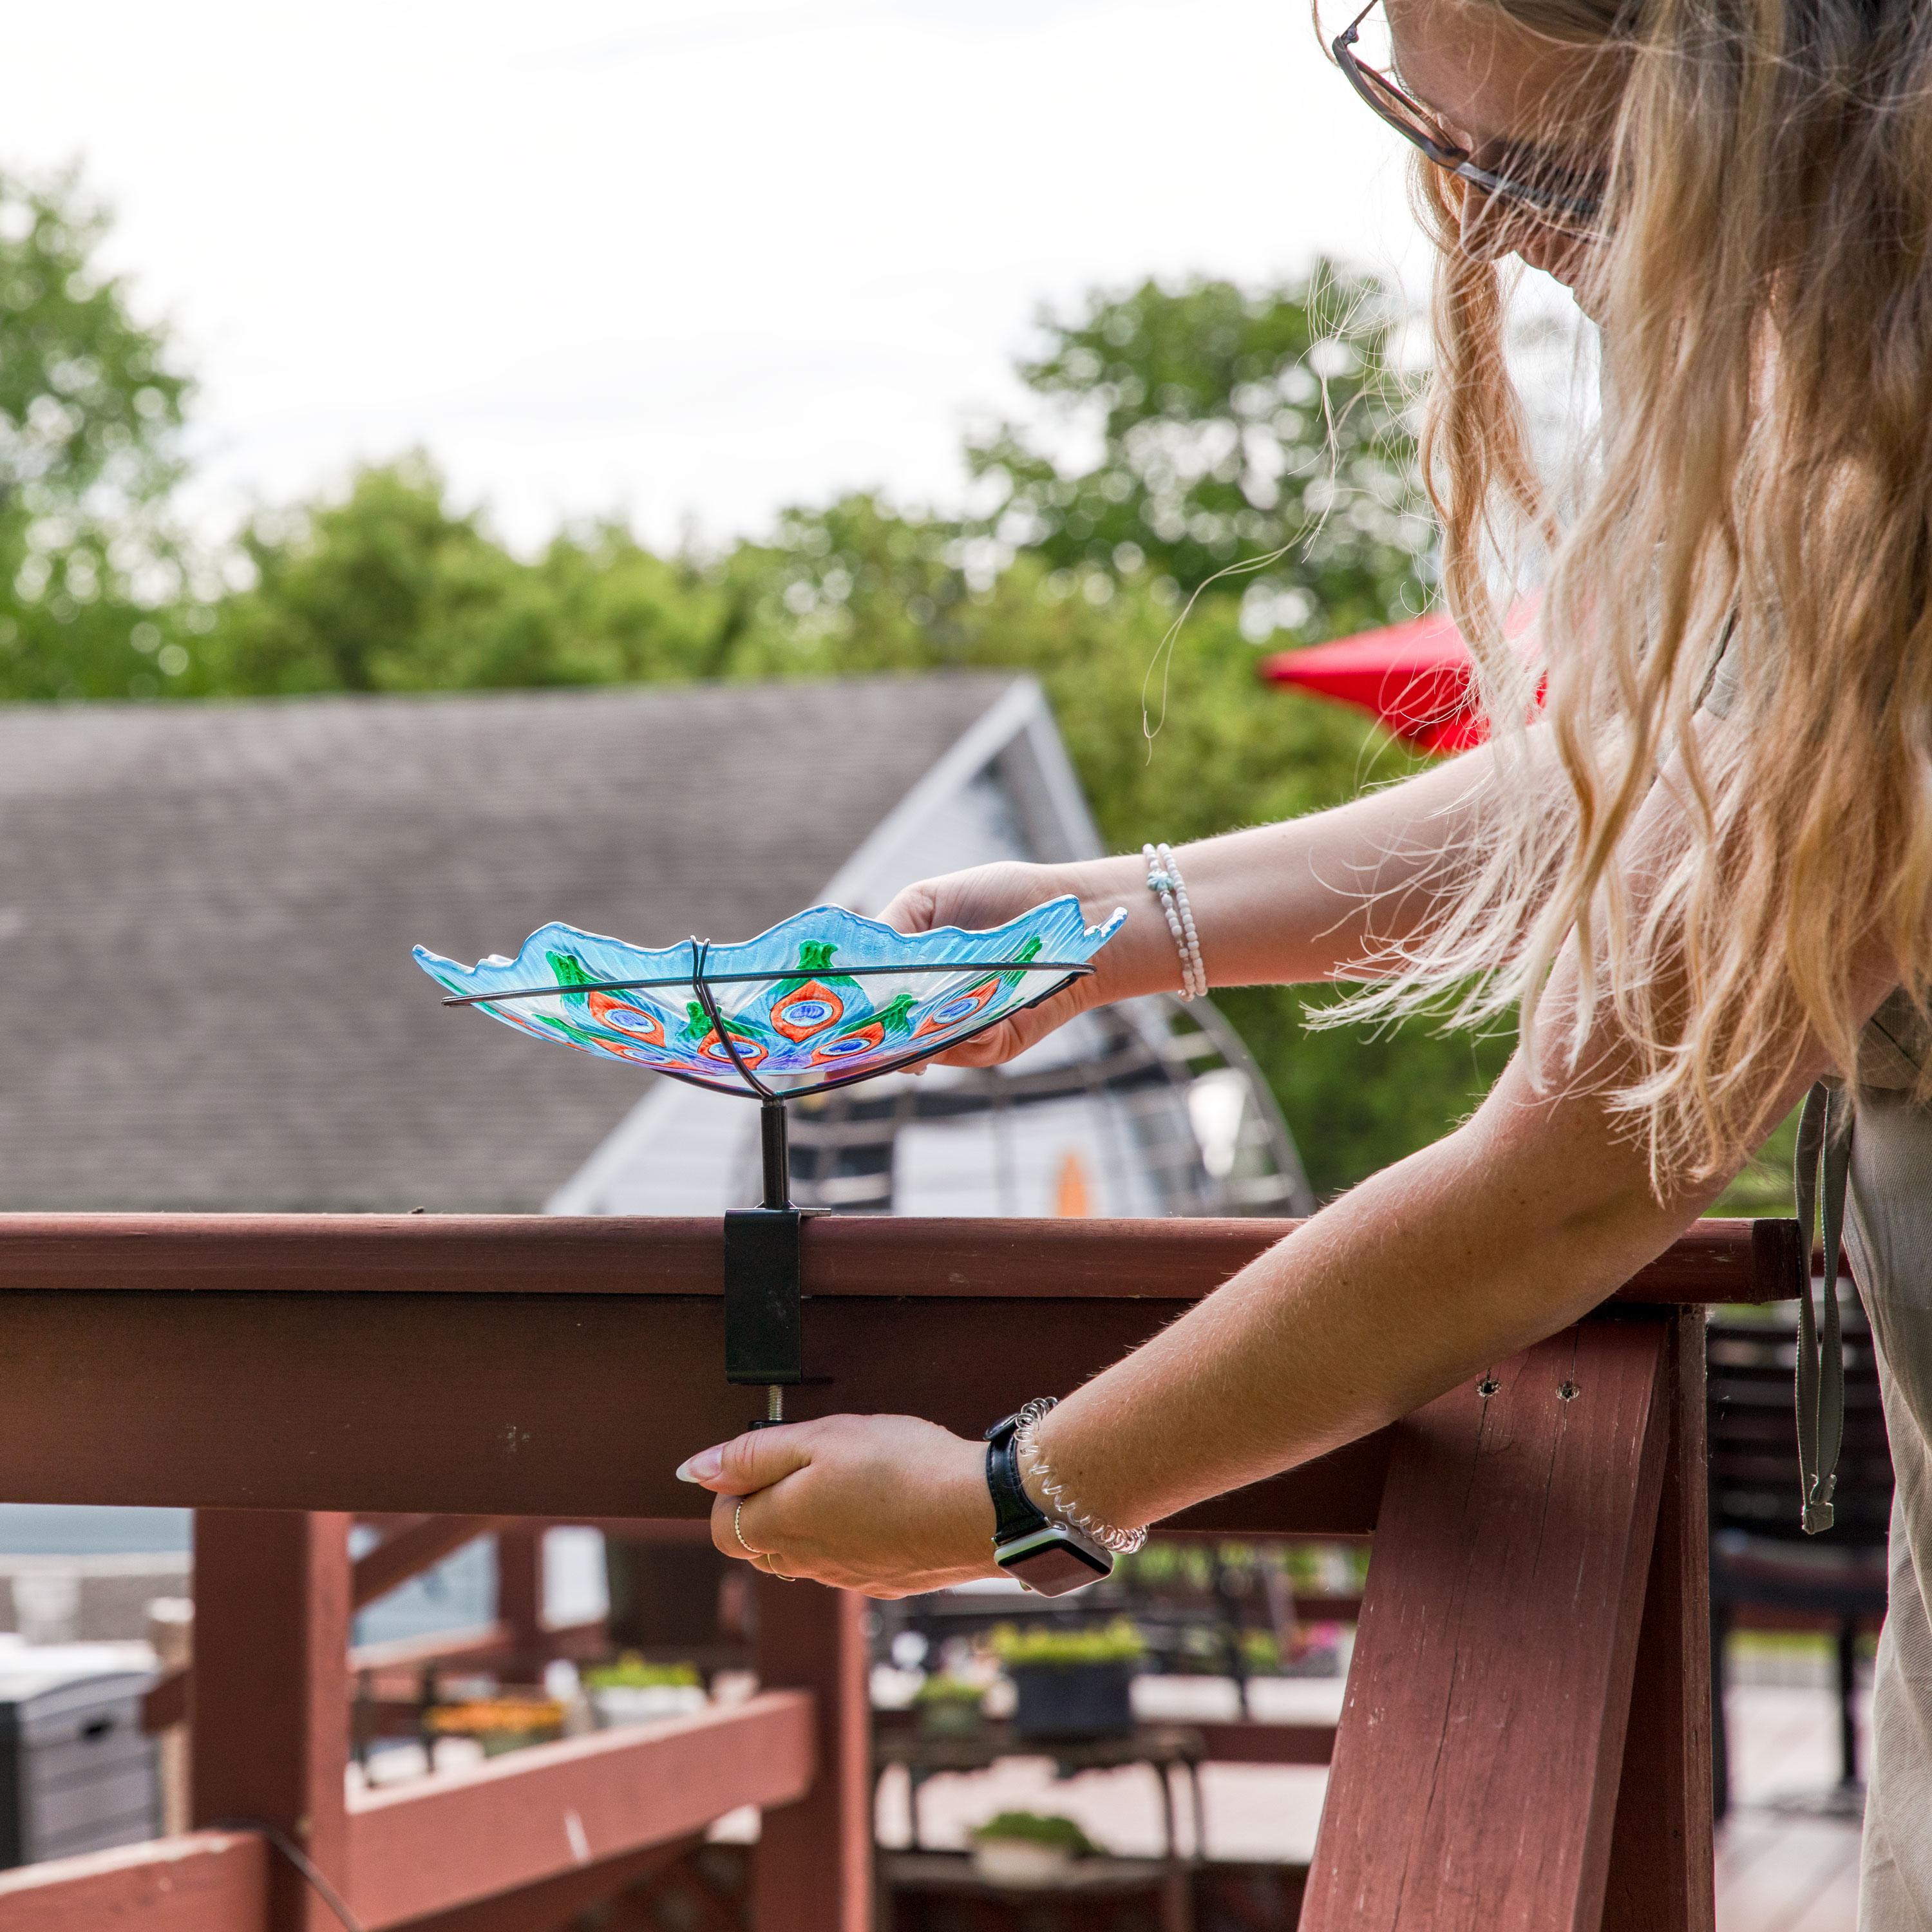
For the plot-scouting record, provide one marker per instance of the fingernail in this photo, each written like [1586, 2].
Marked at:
[702, 1467]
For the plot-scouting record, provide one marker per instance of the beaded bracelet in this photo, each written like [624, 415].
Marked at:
[1165, 882]
[1121, 1542]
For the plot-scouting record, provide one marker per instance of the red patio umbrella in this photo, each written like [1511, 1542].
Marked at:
[1418, 678]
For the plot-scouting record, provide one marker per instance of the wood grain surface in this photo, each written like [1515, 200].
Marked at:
[535, 1406]
[865, 1256]
[460, 1837]
[1476, 1769]
[813, 1869]
[206, 1882]
[1661, 1854]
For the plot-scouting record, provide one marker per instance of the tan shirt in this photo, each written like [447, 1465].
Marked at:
[1888, 1235]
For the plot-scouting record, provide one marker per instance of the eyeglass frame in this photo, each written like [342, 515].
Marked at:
[1365, 79]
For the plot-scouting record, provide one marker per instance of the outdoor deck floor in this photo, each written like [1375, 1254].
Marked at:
[1784, 1863]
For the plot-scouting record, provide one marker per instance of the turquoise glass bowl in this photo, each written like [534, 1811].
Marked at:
[823, 999]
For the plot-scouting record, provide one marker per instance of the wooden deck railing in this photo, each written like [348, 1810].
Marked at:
[1538, 1551]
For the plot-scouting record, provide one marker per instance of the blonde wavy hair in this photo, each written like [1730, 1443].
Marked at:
[1762, 473]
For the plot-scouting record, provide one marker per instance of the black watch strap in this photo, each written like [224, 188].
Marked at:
[1014, 1513]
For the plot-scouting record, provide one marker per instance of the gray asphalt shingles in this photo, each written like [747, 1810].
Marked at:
[206, 912]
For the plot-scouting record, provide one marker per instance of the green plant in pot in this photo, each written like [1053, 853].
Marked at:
[631, 1672]
[948, 1706]
[1070, 1684]
[1027, 1848]
[631, 1691]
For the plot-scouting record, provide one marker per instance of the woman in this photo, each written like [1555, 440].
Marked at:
[1697, 876]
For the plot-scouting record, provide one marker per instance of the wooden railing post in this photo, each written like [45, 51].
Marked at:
[813, 1871]
[270, 1701]
[1662, 1877]
[1474, 1782]
[520, 1592]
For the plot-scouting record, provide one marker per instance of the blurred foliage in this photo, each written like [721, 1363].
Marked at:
[89, 410]
[1018, 1646]
[1181, 430]
[1036, 1828]
[1768, 1185]
[390, 589]
[631, 1672]
[1232, 426]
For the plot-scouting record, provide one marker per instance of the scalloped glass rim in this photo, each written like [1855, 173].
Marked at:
[822, 999]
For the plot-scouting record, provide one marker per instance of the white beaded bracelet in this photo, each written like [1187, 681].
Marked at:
[1165, 882]
[1121, 1542]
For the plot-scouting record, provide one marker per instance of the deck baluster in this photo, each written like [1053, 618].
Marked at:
[269, 1706]
[815, 1863]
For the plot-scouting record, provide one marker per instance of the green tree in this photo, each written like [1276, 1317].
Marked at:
[388, 588]
[90, 409]
[1195, 428]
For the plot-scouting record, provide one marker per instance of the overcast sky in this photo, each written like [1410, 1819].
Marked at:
[677, 259]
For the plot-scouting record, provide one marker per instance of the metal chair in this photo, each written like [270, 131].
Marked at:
[1765, 1572]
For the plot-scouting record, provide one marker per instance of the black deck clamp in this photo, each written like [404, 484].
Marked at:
[764, 1319]
[764, 1311]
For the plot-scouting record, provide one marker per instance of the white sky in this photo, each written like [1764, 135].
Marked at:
[677, 259]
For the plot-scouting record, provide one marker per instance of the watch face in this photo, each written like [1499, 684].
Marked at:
[1054, 1561]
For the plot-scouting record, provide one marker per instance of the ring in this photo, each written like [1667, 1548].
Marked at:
[738, 1531]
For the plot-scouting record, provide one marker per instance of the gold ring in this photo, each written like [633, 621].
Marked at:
[738, 1531]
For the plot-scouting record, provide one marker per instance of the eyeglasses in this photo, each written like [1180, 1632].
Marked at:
[1552, 198]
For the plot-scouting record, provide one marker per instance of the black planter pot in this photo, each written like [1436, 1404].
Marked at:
[1072, 1700]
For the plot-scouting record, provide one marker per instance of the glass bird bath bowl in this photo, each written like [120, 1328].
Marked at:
[822, 999]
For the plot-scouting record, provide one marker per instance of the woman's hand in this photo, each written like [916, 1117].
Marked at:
[1139, 959]
[885, 1504]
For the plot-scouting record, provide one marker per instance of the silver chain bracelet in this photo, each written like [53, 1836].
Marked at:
[1121, 1542]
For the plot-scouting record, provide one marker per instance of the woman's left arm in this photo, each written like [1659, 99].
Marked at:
[1512, 1226]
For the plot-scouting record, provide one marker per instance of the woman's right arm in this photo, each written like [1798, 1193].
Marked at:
[1306, 900]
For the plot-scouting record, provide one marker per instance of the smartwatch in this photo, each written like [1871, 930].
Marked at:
[1047, 1556]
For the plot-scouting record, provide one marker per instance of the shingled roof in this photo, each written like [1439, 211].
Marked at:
[206, 912]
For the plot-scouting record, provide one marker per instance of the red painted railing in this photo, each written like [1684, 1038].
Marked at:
[1536, 1556]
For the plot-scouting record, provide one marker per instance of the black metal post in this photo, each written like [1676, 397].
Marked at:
[774, 1143]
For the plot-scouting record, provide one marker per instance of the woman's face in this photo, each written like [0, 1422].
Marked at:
[1521, 104]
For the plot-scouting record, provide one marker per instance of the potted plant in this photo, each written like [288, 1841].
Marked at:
[1070, 1684]
[948, 1706]
[506, 1722]
[1027, 1848]
[633, 1692]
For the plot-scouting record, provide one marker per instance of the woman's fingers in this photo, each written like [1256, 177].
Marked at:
[1012, 1037]
[912, 911]
[885, 1504]
[734, 1531]
[986, 896]
[737, 1472]
[754, 1460]
[747, 1528]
